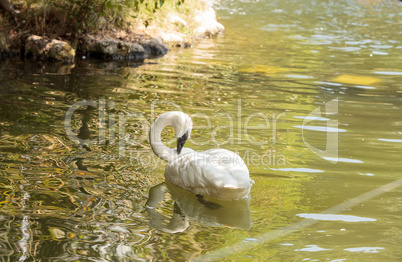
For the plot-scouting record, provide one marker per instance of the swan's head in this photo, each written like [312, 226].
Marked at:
[182, 125]
[181, 141]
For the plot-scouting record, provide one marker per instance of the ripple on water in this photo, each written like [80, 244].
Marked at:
[347, 48]
[379, 53]
[299, 76]
[315, 118]
[334, 217]
[301, 169]
[286, 244]
[329, 83]
[364, 249]
[381, 46]
[322, 129]
[340, 159]
[366, 174]
[366, 87]
[391, 73]
[362, 42]
[390, 140]
[312, 248]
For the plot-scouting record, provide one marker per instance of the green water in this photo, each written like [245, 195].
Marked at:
[261, 89]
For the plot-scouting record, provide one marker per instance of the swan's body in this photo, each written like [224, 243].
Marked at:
[218, 173]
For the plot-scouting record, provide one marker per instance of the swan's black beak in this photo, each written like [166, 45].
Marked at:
[180, 142]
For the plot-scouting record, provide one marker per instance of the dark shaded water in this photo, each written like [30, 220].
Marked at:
[260, 90]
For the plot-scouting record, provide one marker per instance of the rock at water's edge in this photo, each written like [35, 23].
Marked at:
[207, 24]
[155, 46]
[109, 48]
[43, 48]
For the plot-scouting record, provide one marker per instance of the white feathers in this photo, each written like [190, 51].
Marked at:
[229, 186]
[218, 173]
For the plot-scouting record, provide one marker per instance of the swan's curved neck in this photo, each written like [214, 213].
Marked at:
[158, 147]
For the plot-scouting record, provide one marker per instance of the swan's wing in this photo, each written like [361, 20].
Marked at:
[182, 171]
[215, 168]
[187, 171]
[226, 157]
[233, 164]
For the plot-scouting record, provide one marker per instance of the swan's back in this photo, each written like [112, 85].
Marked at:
[218, 173]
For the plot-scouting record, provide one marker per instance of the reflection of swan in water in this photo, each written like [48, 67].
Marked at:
[219, 173]
[234, 213]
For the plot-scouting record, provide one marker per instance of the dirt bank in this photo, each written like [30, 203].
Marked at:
[49, 37]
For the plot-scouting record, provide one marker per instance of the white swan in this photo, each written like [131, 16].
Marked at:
[218, 173]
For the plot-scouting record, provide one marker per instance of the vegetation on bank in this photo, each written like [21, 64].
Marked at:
[72, 19]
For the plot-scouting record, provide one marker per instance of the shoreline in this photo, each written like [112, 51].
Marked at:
[143, 42]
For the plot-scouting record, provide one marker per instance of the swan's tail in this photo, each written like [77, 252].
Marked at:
[230, 186]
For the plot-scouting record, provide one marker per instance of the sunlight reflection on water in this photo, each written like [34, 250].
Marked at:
[333, 217]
